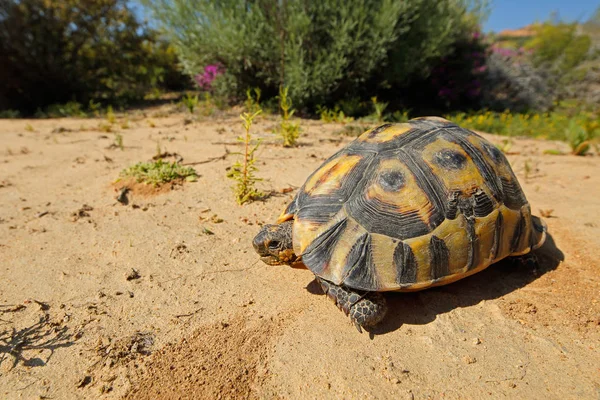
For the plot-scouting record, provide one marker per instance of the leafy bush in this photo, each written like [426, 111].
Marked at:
[323, 51]
[557, 62]
[55, 52]
[512, 82]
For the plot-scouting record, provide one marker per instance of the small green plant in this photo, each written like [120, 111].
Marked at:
[70, 109]
[290, 132]
[400, 116]
[208, 105]
[159, 172]
[119, 141]
[29, 128]
[579, 138]
[190, 102]
[104, 127]
[335, 115]
[110, 115]
[253, 100]
[243, 172]
[379, 108]
[352, 130]
[95, 108]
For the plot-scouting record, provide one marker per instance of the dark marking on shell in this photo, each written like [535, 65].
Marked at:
[405, 263]
[514, 198]
[320, 208]
[488, 173]
[429, 183]
[498, 234]
[318, 211]
[482, 204]
[391, 181]
[440, 258]
[465, 205]
[378, 130]
[516, 238]
[383, 218]
[362, 275]
[452, 204]
[473, 255]
[356, 255]
[318, 254]
[450, 159]
[494, 153]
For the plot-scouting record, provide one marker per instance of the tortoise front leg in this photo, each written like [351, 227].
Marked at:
[364, 308]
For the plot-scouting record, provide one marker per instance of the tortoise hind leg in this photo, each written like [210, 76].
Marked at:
[529, 261]
[364, 308]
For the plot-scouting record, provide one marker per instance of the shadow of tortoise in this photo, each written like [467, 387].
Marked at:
[506, 276]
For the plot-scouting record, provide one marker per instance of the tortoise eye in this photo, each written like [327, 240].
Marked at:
[274, 244]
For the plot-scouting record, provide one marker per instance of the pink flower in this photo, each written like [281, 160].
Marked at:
[211, 72]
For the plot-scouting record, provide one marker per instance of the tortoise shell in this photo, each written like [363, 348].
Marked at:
[412, 205]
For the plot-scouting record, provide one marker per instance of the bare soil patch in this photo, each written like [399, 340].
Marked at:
[202, 317]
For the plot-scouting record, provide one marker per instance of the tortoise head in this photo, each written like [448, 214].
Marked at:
[274, 244]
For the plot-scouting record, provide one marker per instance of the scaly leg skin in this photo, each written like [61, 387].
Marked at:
[364, 308]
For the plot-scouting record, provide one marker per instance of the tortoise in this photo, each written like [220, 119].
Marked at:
[404, 207]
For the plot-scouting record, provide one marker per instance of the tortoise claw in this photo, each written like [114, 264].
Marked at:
[357, 325]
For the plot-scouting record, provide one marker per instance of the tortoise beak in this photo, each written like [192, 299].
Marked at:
[271, 260]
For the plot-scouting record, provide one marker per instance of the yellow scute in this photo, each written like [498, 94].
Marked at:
[329, 177]
[385, 135]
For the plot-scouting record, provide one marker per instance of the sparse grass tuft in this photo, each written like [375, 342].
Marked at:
[243, 172]
[190, 102]
[29, 128]
[110, 115]
[119, 141]
[379, 108]
[579, 138]
[159, 172]
[253, 100]
[335, 115]
[289, 132]
[354, 130]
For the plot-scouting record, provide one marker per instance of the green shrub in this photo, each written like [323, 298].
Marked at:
[57, 52]
[323, 51]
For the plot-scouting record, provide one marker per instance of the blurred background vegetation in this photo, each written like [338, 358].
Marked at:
[338, 60]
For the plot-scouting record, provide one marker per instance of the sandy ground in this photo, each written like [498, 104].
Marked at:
[202, 317]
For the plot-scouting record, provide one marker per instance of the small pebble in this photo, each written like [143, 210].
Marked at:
[469, 360]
